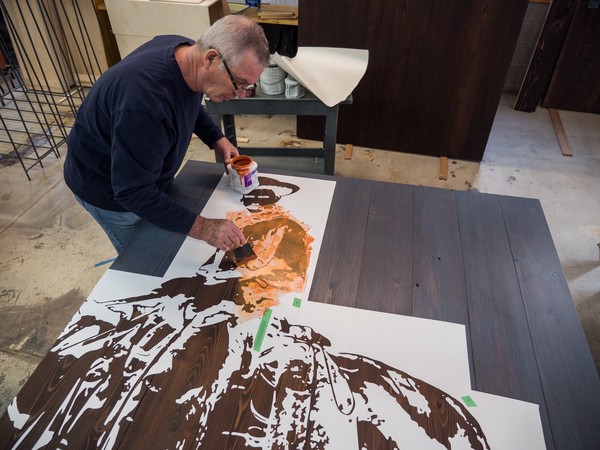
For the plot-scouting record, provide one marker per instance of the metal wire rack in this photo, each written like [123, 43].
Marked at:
[48, 62]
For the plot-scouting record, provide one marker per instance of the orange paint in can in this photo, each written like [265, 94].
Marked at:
[243, 174]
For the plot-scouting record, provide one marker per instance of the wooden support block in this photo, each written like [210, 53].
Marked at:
[243, 140]
[348, 153]
[565, 148]
[277, 15]
[225, 6]
[443, 168]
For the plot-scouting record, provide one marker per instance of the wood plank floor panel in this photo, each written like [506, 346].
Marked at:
[163, 418]
[499, 332]
[504, 359]
[74, 384]
[385, 283]
[338, 268]
[566, 367]
[155, 259]
[50, 382]
[128, 366]
[439, 285]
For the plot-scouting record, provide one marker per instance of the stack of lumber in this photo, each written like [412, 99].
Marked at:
[275, 12]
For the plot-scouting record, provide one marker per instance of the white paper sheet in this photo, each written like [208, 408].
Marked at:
[328, 72]
[194, 253]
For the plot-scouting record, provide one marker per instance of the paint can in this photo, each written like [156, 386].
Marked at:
[293, 89]
[243, 174]
[272, 80]
[253, 3]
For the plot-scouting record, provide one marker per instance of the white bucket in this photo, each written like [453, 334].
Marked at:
[243, 174]
[272, 80]
[293, 89]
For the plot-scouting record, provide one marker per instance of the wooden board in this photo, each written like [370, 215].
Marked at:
[561, 135]
[574, 85]
[546, 54]
[492, 289]
[388, 249]
[556, 333]
[435, 74]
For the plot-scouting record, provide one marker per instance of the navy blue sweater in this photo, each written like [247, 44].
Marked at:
[132, 132]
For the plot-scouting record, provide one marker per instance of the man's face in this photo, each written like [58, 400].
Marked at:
[224, 82]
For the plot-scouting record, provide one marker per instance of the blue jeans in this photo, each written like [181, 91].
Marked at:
[119, 226]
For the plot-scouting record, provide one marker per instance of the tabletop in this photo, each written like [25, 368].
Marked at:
[482, 260]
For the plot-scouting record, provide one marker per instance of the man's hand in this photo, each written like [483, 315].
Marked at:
[225, 150]
[220, 233]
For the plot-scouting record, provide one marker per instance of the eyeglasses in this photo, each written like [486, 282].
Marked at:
[236, 87]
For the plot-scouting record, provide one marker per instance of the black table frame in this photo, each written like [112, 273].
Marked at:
[308, 105]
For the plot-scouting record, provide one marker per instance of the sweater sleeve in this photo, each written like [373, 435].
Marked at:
[206, 129]
[139, 162]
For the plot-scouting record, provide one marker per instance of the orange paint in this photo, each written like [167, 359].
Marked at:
[241, 164]
[283, 248]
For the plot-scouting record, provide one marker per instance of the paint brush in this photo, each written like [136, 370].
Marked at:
[243, 254]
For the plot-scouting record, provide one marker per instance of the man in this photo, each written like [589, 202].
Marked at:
[134, 127]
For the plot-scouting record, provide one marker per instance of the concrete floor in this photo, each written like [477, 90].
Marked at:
[50, 248]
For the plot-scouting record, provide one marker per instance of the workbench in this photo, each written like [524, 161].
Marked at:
[308, 105]
[485, 261]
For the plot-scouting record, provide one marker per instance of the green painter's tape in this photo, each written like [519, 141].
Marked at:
[297, 302]
[262, 329]
[468, 401]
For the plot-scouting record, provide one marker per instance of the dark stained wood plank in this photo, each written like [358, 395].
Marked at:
[545, 55]
[439, 285]
[574, 85]
[142, 331]
[436, 70]
[160, 420]
[50, 382]
[504, 361]
[385, 282]
[339, 264]
[569, 379]
[138, 256]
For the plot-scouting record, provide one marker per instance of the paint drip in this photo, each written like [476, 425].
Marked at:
[243, 174]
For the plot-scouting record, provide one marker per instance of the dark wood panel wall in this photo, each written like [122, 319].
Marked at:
[435, 75]
[546, 54]
[574, 84]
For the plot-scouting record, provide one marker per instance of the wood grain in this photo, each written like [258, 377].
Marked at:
[574, 84]
[561, 135]
[561, 350]
[504, 361]
[340, 257]
[547, 52]
[155, 259]
[439, 282]
[435, 75]
[385, 282]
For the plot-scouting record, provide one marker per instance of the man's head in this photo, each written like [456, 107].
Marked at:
[234, 53]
